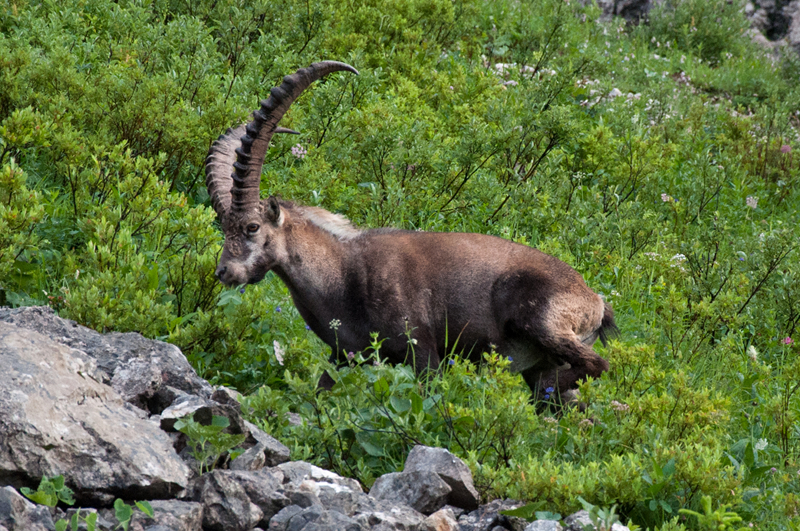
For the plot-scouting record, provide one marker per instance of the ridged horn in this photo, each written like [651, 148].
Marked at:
[243, 149]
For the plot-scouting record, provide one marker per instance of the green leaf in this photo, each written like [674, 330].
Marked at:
[220, 421]
[372, 449]
[123, 512]
[145, 507]
[528, 511]
[416, 404]
[61, 525]
[91, 521]
[401, 405]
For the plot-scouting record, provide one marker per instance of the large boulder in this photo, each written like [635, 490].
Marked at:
[450, 468]
[56, 418]
[143, 371]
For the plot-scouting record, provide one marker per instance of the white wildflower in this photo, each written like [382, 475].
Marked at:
[752, 353]
[278, 351]
[752, 201]
[761, 444]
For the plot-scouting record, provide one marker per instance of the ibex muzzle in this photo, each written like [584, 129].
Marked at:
[482, 290]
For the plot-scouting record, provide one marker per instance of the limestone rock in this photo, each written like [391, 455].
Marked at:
[57, 419]
[425, 491]
[298, 471]
[114, 352]
[171, 514]
[441, 520]
[275, 452]
[450, 468]
[316, 518]
[226, 505]
[378, 515]
[544, 525]
[19, 514]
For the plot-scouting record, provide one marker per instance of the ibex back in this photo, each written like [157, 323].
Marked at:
[432, 288]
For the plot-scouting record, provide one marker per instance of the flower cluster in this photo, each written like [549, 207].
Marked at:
[619, 406]
[299, 151]
[752, 201]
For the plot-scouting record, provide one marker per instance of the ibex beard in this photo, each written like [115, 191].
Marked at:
[430, 288]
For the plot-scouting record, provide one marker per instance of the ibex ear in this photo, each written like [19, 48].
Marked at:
[273, 209]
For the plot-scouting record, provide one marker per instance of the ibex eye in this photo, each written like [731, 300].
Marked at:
[252, 228]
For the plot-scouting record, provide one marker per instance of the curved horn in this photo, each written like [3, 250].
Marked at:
[219, 164]
[245, 147]
[250, 155]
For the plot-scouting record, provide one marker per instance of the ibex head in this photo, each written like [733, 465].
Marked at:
[254, 240]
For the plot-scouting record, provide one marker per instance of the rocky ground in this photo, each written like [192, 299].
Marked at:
[100, 409]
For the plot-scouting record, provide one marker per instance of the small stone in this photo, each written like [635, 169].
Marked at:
[18, 514]
[441, 520]
[275, 452]
[251, 459]
[450, 468]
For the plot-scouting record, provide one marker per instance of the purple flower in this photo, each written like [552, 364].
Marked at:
[546, 397]
[510, 358]
[788, 341]
[308, 327]
[278, 309]
[241, 290]
[773, 470]
[549, 390]
[350, 355]
[451, 362]
[786, 148]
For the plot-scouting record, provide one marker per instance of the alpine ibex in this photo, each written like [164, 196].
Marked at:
[483, 290]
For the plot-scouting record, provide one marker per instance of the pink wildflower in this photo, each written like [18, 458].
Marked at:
[786, 148]
[788, 341]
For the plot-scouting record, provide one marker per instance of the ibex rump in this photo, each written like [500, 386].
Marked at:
[480, 290]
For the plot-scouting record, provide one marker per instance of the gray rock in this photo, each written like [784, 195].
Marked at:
[226, 505]
[57, 419]
[113, 352]
[264, 488]
[378, 515]
[252, 459]
[425, 491]
[295, 472]
[171, 514]
[275, 452]
[281, 520]
[488, 516]
[544, 525]
[450, 468]
[580, 520]
[314, 518]
[18, 514]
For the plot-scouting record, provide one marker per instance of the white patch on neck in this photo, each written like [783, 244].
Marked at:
[335, 224]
